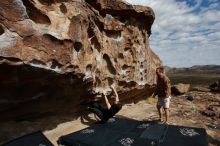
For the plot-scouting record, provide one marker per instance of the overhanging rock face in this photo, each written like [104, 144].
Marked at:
[100, 42]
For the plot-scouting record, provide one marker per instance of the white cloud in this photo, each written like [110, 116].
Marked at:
[184, 35]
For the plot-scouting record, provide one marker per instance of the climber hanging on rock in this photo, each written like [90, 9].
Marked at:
[105, 113]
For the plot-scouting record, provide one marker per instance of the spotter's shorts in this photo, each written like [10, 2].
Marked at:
[164, 102]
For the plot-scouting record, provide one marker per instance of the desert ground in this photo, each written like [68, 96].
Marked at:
[181, 109]
[182, 113]
[203, 112]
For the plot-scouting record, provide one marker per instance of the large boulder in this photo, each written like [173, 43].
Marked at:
[180, 89]
[59, 54]
[215, 87]
[200, 89]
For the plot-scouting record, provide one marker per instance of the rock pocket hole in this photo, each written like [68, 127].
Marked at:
[37, 62]
[11, 59]
[63, 8]
[120, 55]
[127, 49]
[88, 68]
[113, 34]
[98, 81]
[90, 31]
[78, 46]
[124, 67]
[110, 81]
[109, 64]
[46, 2]
[1, 30]
[55, 64]
[70, 66]
[99, 25]
[96, 44]
[53, 39]
[34, 14]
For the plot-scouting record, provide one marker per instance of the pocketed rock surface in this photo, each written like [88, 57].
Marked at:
[58, 54]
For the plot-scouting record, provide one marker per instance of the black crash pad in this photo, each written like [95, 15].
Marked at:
[124, 132]
[33, 139]
[185, 136]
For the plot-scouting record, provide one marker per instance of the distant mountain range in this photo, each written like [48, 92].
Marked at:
[195, 68]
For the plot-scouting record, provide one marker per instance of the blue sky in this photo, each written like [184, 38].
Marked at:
[185, 32]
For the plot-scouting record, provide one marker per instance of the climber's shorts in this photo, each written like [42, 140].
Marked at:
[164, 102]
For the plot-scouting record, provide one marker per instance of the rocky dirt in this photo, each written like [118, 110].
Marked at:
[204, 114]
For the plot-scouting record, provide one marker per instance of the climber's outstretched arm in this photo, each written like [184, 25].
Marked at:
[107, 102]
[116, 95]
